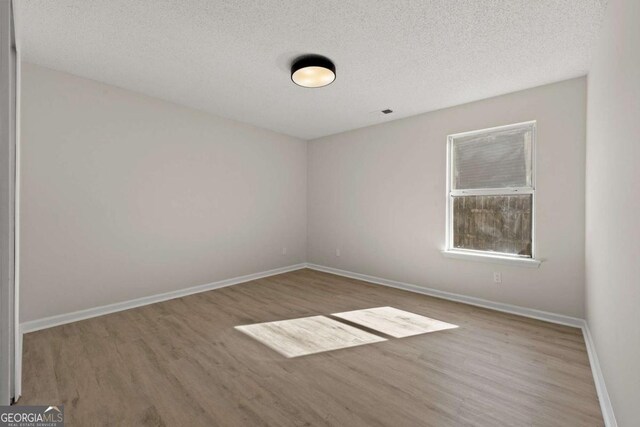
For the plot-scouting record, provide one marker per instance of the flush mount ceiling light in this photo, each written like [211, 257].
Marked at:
[313, 71]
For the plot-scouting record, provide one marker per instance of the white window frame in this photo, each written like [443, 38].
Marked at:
[477, 255]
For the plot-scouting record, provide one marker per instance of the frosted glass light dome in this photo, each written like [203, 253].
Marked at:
[313, 71]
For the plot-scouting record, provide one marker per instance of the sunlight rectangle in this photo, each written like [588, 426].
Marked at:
[394, 322]
[308, 335]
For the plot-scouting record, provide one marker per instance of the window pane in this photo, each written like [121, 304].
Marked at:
[496, 159]
[493, 223]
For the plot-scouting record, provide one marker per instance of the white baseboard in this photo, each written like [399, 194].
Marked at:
[507, 308]
[61, 319]
[598, 378]
[601, 389]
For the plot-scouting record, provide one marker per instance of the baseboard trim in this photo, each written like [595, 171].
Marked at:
[479, 302]
[61, 319]
[598, 378]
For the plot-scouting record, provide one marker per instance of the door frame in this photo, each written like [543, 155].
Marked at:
[8, 75]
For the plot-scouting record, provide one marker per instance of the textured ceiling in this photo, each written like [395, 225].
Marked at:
[232, 58]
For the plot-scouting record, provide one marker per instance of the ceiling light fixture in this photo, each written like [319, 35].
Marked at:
[313, 71]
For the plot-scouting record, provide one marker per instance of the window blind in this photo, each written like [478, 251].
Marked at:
[496, 159]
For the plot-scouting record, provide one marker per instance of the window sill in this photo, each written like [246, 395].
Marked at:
[496, 259]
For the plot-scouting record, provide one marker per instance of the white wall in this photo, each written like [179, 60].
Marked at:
[378, 194]
[125, 196]
[613, 203]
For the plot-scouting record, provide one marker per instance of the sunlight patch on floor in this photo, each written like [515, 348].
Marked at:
[394, 322]
[308, 335]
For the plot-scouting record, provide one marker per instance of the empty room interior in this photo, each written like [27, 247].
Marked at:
[305, 213]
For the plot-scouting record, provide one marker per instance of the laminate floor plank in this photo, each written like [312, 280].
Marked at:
[182, 362]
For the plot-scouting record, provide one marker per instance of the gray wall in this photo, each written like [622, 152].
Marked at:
[124, 196]
[378, 194]
[613, 194]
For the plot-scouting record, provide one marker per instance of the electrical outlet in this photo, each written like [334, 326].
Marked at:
[337, 251]
[284, 251]
[497, 277]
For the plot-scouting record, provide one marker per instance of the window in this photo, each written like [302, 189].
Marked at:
[491, 192]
